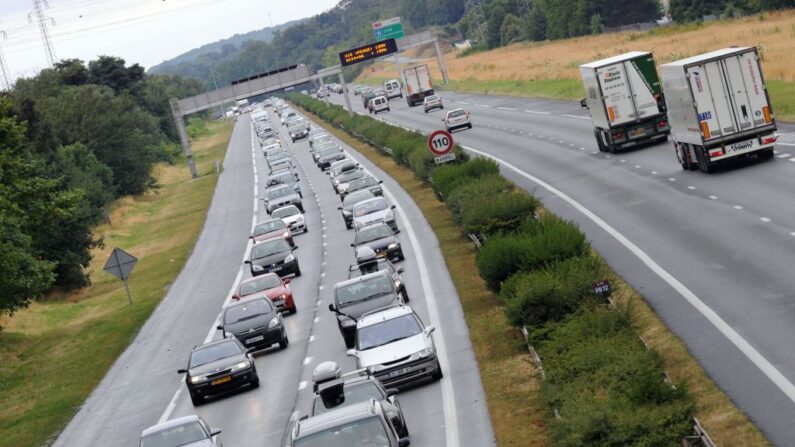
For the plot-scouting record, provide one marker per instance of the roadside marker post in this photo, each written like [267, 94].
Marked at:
[120, 264]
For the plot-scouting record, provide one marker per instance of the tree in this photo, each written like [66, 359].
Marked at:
[596, 24]
[536, 24]
[510, 30]
[625, 12]
[112, 72]
[493, 25]
[81, 170]
[72, 72]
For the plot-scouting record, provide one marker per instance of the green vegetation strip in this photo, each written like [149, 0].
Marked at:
[603, 385]
[54, 353]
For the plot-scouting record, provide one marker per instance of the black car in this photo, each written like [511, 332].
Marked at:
[348, 203]
[255, 324]
[217, 367]
[274, 255]
[354, 297]
[381, 238]
[367, 262]
[368, 183]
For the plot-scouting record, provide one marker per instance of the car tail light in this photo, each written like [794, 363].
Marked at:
[662, 123]
[770, 140]
[618, 135]
[717, 153]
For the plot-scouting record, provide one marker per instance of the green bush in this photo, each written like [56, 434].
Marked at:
[549, 294]
[607, 386]
[448, 177]
[503, 255]
[486, 186]
[503, 212]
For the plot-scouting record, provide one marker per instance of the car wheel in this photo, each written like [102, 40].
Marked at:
[348, 226]
[297, 271]
[438, 374]
[426, 111]
[255, 381]
[469, 126]
[196, 399]
[405, 294]
[284, 342]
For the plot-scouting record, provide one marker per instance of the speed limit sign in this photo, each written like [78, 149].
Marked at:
[440, 143]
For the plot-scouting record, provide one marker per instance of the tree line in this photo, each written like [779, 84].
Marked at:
[73, 139]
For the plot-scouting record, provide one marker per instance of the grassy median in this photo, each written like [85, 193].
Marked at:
[518, 410]
[55, 352]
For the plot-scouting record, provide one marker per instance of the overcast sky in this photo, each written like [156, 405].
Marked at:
[142, 31]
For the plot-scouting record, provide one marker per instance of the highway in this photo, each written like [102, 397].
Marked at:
[143, 388]
[712, 254]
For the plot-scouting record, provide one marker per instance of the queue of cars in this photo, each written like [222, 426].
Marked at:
[392, 347]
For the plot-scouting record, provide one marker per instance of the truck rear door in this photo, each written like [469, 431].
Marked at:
[710, 92]
[748, 92]
[642, 76]
[424, 76]
[616, 93]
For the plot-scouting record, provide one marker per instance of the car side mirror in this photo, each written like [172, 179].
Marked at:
[246, 262]
[430, 329]
[332, 308]
[380, 182]
[251, 237]
[182, 371]
[391, 392]
[397, 232]
[401, 270]
[394, 207]
[339, 208]
[404, 442]
[353, 245]
[215, 431]
[584, 103]
[295, 247]
[352, 353]
[220, 327]
[287, 280]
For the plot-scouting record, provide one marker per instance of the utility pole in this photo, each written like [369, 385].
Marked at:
[523, 7]
[477, 20]
[38, 12]
[4, 75]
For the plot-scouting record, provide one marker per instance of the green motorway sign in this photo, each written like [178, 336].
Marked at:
[390, 32]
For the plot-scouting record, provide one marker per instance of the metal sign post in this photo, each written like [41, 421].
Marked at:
[120, 264]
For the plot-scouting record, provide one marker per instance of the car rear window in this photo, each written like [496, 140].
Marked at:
[268, 248]
[362, 290]
[287, 211]
[456, 113]
[362, 209]
[180, 435]
[267, 227]
[349, 435]
[247, 310]
[264, 282]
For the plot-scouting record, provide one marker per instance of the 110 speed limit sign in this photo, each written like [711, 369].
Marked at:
[440, 143]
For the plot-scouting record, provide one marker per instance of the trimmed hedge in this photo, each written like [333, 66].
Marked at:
[606, 385]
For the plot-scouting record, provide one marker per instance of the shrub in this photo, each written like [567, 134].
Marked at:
[534, 298]
[486, 186]
[500, 213]
[446, 178]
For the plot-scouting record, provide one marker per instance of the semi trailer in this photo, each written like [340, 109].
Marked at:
[418, 84]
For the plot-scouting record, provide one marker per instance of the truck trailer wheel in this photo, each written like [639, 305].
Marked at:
[599, 143]
[704, 165]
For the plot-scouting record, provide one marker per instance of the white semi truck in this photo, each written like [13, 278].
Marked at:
[418, 84]
[719, 108]
[626, 101]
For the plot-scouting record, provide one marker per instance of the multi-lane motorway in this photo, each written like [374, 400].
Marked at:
[143, 388]
[713, 254]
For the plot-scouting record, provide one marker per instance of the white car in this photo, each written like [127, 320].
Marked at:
[379, 104]
[394, 346]
[185, 431]
[292, 217]
[372, 211]
[457, 119]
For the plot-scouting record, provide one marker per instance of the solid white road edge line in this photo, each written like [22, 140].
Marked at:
[736, 339]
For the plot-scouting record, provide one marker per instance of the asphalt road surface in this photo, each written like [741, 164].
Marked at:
[712, 253]
[143, 388]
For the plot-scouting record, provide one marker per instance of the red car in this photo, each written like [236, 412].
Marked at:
[271, 229]
[271, 286]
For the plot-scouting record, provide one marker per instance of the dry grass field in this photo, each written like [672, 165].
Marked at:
[549, 69]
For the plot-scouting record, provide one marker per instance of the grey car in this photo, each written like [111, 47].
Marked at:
[381, 238]
[362, 424]
[349, 201]
[299, 130]
[187, 431]
[217, 367]
[432, 102]
[285, 178]
[280, 196]
[343, 181]
[374, 211]
[325, 161]
[366, 183]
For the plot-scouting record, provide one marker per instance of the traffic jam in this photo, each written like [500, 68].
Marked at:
[392, 347]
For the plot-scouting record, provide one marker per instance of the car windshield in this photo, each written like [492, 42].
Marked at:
[431, 98]
[329, 151]
[214, 352]
[356, 197]
[388, 331]
[365, 208]
[345, 165]
[269, 226]
[371, 233]
[456, 113]
[364, 290]
[367, 267]
[297, 126]
[368, 432]
[281, 191]
[351, 394]
[269, 248]
[175, 436]
[265, 282]
[347, 177]
[287, 211]
[246, 311]
[286, 177]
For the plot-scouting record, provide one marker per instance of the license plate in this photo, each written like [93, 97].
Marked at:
[255, 339]
[398, 372]
[279, 302]
[276, 268]
[634, 133]
[221, 380]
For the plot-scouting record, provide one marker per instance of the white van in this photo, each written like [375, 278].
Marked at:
[379, 104]
[392, 88]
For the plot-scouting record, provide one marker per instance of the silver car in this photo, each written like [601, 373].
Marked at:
[432, 102]
[280, 196]
[394, 346]
[292, 217]
[457, 119]
[187, 431]
[372, 211]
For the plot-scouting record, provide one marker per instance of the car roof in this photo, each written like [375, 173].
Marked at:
[336, 418]
[246, 302]
[383, 314]
[260, 277]
[362, 278]
[215, 342]
[169, 424]
[288, 206]
[456, 110]
[374, 199]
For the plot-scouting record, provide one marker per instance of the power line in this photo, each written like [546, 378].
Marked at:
[38, 12]
[523, 7]
[476, 19]
[4, 66]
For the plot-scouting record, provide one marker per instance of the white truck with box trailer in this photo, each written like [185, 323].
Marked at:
[418, 84]
[626, 101]
[719, 107]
